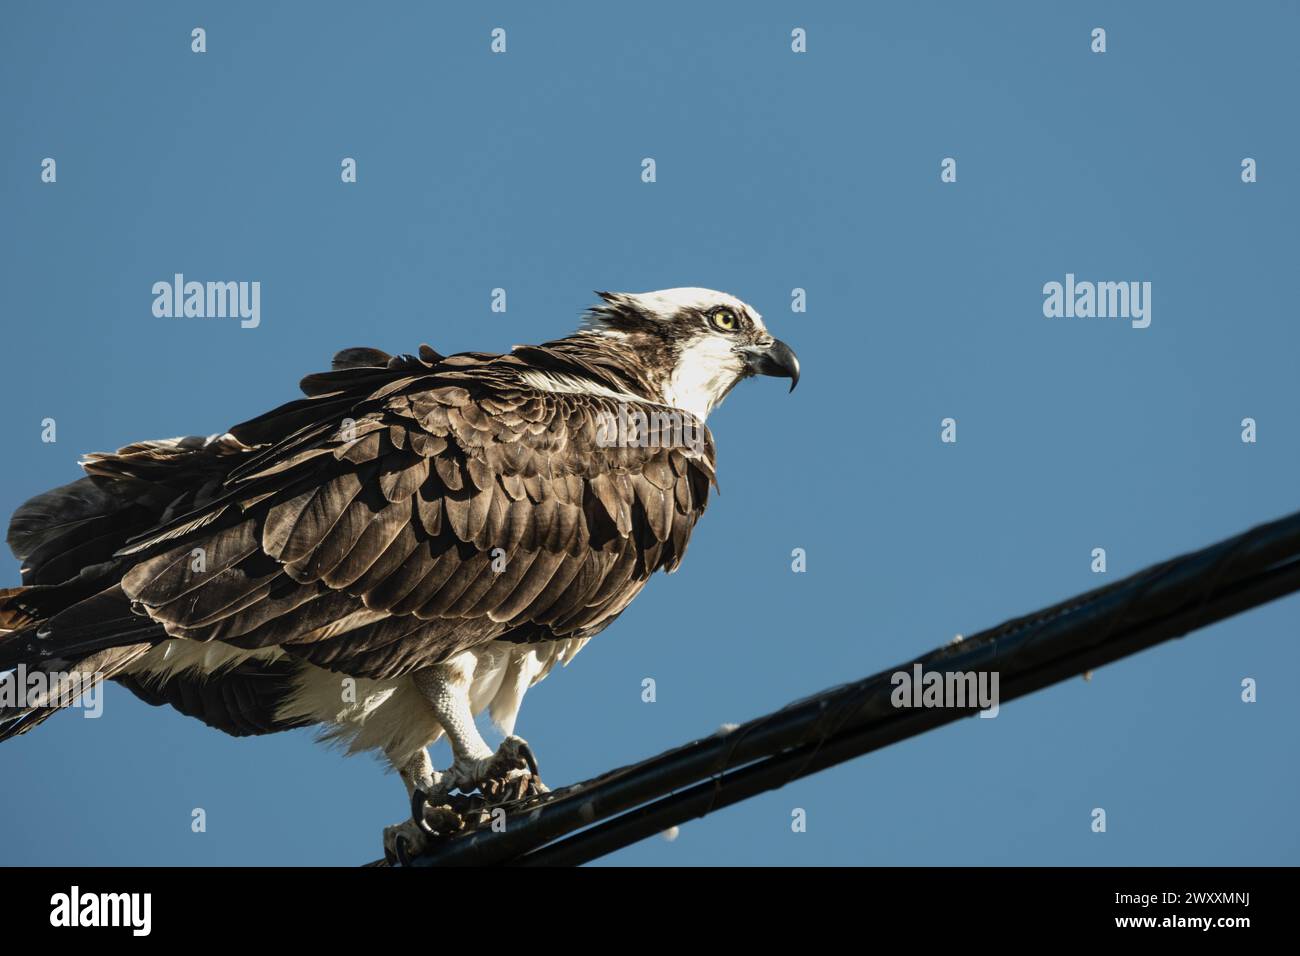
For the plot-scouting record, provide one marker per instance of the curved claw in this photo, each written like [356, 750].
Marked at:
[400, 847]
[526, 752]
[419, 800]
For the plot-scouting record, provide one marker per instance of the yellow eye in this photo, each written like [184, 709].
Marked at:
[724, 319]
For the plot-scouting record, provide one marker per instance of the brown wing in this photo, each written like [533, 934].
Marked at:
[401, 514]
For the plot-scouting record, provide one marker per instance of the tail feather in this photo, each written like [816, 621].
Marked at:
[98, 623]
[51, 662]
[70, 626]
[29, 703]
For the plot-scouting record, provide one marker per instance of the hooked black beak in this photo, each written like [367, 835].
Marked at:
[777, 359]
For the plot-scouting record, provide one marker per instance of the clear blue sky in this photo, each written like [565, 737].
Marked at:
[775, 171]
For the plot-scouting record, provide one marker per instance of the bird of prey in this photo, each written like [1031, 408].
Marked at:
[419, 539]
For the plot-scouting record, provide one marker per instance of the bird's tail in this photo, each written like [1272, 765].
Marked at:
[70, 626]
[59, 662]
[30, 696]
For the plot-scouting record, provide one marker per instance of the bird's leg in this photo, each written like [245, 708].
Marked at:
[506, 774]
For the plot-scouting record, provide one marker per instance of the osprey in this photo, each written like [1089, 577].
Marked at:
[422, 538]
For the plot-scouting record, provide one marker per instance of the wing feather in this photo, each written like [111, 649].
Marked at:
[457, 506]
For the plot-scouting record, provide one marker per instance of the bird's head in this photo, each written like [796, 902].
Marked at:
[695, 344]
